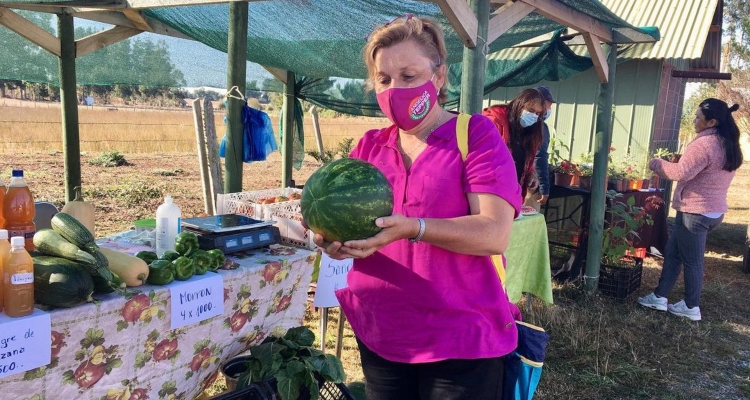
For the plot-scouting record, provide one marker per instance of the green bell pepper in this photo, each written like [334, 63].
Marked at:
[147, 256]
[170, 255]
[218, 258]
[185, 243]
[202, 260]
[184, 268]
[160, 272]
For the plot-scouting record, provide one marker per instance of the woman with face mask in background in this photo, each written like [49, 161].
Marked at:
[431, 318]
[520, 123]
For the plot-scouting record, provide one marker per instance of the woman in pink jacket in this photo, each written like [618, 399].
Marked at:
[703, 175]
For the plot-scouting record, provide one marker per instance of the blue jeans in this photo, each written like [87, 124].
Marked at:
[686, 246]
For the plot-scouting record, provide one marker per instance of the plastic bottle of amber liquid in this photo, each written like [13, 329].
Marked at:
[18, 280]
[4, 253]
[18, 209]
[3, 189]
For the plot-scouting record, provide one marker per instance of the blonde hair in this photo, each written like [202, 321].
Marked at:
[426, 32]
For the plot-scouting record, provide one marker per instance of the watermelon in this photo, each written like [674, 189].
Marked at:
[342, 199]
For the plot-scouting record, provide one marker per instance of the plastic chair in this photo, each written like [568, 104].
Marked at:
[44, 211]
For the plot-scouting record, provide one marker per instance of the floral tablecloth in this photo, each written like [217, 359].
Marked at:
[122, 348]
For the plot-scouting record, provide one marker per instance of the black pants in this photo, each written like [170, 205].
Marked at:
[479, 379]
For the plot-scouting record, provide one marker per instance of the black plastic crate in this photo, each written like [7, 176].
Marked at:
[328, 390]
[620, 282]
[566, 261]
[252, 392]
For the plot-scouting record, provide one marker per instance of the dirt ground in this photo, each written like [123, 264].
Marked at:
[127, 193]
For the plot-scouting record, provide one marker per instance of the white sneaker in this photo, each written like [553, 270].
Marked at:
[652, 301]
[681, 309]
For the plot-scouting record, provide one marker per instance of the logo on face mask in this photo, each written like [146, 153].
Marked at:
[419, 106]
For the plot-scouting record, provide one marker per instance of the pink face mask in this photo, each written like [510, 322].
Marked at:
[407, 107]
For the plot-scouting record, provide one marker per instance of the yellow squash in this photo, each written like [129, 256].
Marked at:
[130, 269]
[81, 210]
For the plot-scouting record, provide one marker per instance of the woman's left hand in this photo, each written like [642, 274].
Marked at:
[394, 227]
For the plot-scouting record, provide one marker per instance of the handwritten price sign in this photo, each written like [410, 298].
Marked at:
[25, 343]
[197, 299]
[331, 278]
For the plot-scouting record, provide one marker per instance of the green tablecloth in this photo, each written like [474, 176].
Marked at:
[527, 259]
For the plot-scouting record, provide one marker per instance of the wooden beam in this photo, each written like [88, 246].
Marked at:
[117, 18]
[505, 17]
[172, 3]
[597, 56]
[137, 19]
[462, 19]
[103, 39]
[277, 73]
[569, 17]
[695, 74]
[30, 31]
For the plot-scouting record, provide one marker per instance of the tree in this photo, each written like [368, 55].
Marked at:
[22, 60]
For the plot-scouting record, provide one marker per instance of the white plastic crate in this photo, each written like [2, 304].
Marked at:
[287, 214]
[248, 203]
[288, 217]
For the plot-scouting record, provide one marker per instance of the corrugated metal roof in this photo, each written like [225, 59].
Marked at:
[683, 24]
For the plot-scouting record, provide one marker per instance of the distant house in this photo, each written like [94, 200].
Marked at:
[650, 79]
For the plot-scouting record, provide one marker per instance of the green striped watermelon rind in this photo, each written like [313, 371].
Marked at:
[342, 199]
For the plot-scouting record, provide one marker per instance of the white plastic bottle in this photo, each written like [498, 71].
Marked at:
[167, 225]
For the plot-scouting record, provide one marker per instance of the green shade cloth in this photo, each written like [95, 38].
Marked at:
[527, 259]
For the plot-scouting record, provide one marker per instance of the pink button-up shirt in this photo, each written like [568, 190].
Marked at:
[414, 302]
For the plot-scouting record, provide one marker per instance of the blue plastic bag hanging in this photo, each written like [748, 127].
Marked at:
[258, 137]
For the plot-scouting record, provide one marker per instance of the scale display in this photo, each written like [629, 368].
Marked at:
[224, 223]
[232, 233]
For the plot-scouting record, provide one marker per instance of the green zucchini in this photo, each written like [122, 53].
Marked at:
[73, 231]
[61, 285]
[51, 243]
[101, 285]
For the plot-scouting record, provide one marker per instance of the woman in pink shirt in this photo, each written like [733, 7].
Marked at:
[430, 315]
[703, 175]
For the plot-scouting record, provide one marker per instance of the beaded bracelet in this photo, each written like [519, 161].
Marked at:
[417, 238]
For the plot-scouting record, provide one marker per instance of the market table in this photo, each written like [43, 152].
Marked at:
[119, 345]
[527, 259]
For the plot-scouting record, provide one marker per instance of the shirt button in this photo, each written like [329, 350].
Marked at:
[508, 325]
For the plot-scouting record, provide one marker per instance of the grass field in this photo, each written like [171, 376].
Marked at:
[36, 127]
[599, 349]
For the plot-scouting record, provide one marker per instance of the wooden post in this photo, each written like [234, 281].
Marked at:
[212, 151]
[69, 105]
[474, 62]
[316, 127]
[287, 141]
[200, 144]
[603, 141]
[236, 76]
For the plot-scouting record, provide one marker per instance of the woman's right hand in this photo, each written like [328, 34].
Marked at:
[335, 250]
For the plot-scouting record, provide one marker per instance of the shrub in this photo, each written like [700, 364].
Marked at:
[109, 159]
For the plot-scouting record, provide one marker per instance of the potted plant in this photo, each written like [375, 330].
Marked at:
[616, 174]
[664, 154]
[290, 366]
[620, 274]
[564, 172]
[585, 171]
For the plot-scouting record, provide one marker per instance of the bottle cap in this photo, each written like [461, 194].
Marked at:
[3, 234]
[17, 173]
[17, 241]
[168, 199]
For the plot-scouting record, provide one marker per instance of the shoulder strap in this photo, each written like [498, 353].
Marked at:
[462, 138]
[462, 134]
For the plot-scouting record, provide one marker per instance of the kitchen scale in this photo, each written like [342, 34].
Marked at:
[232, 232]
